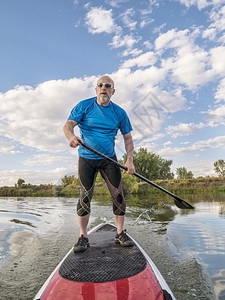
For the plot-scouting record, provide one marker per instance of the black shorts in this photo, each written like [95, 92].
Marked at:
[87, 171]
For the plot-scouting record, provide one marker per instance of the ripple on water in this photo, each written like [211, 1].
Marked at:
[35, 251]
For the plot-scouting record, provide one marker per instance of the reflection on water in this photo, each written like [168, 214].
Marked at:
[219, 282]
[188, 246]
[222, 210]
[22, 222]
[202, 234]
[23, 219]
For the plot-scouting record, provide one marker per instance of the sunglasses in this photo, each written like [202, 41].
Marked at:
[107, 85]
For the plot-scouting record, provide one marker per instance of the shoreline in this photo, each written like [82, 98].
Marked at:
[202, 185]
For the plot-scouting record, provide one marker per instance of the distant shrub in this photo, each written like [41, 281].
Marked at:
[130, 185]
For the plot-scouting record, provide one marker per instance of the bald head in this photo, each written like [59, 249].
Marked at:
[104, 90]
[106, 79]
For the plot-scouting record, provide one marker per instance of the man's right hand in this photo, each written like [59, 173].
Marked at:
[75, 141]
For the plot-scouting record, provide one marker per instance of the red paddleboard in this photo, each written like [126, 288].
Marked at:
[106, 271]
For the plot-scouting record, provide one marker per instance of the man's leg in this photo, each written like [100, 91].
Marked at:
[87, 173]
[119, 223]
[82, 243]
[83, 222]
[112, 176]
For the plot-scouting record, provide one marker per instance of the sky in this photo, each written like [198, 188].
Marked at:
[166, 57]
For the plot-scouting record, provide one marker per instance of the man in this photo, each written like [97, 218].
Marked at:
[99, 120]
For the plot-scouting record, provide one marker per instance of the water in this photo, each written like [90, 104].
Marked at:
[188, 247]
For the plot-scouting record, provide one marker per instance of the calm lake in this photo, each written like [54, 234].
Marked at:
[188, 247]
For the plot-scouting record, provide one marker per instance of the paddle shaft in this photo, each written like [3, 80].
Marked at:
[178, 201]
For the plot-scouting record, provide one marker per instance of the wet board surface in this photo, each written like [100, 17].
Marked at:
[104, 260]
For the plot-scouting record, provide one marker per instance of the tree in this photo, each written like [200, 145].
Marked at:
[220, 167]
[130, 184]
[20, 182]
[182, 173]
[68, 179]
[150, 165]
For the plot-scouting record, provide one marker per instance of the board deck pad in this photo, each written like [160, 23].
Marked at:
[104, 260]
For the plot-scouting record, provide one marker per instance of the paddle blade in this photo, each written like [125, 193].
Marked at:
[182, 204]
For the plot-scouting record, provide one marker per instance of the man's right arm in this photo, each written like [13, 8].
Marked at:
[69, 133]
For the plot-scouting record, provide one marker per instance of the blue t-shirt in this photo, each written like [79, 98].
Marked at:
[99, 125]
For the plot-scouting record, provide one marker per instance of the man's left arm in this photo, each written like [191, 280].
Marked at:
[129, 146]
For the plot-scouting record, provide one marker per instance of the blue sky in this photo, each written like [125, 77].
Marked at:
[167, 59]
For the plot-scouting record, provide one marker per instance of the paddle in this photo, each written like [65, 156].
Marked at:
[178, 201]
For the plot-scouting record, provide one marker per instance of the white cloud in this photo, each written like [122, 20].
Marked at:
[222, 39]
[184, 129]
[198, 168]
[148, 45]
[218, 18]
[35, 117]
[218, 60]
[140, 92]
[201, 168]
[184, 143]
[172, 39]
[146, 21]
[220, 93]
[132, 52]
[188, 63]
[127, 18]
[116, 3]
[209, 33]
[8, 148]
[127, 41]
[201, 4]
[151, 4]
[159, 28]
[100, 20]
[46, 159]
[217, 115]
[143, 60]
[9, 178]
[167, 143]
[213, 143]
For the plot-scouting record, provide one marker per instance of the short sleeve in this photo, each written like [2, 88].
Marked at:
[77, 113]
[125, 125]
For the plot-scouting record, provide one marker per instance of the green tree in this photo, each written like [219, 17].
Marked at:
[130, 184]
[20, 182]
[99, 179]
[75, 182]
[68, 179]
[150, 165]
[220, 167]
[182, 173]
